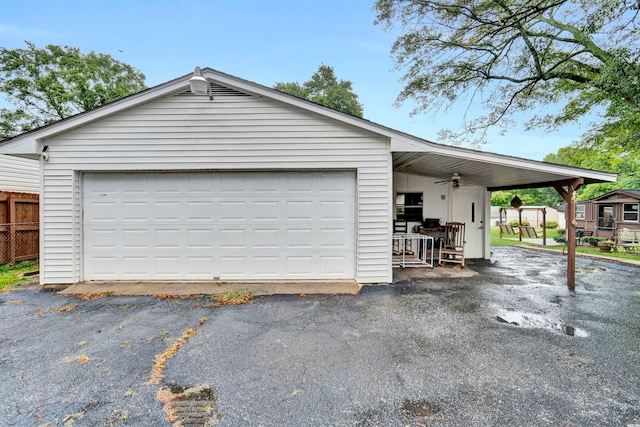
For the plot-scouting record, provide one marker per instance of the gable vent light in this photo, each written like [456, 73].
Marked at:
[198, 84]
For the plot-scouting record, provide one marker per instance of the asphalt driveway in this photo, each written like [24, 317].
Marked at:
[510, 346]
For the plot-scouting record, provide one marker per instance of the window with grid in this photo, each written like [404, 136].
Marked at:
[581, 211]
[630, 212]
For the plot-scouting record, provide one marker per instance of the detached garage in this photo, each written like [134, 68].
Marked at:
[208, 225]
[248, 183]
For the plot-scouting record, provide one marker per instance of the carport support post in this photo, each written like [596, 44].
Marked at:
[569, 196]
[544, 227]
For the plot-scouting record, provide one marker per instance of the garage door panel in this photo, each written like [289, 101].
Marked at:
[233, 238]
[103, 239]
[103, 211]
[136, 266]
[334, 210]
[299, 210]
[135, 238]
[297, 185]
[132, 211]
[169, 211]
[200, 238]
[233, 211]
[333, 238]
[199, 267]
[200, 210]
[266, 210]
[331, 264]
[266, 266]
[265, 238]
[167, 238]
[168, 266]
[299, 238]
[300, 265]
[233, 266]
[103, 267]
[239, 225]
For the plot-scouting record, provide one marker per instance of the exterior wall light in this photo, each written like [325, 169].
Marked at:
[198, 84]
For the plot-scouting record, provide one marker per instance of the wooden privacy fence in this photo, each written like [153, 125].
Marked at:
[19, 227]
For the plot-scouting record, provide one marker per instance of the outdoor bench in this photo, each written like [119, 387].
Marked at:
[628, 238]
[528, 231]
[506, 229]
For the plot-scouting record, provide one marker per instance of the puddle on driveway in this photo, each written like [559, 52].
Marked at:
[535, 321]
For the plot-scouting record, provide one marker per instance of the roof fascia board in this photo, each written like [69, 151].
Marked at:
[614, 201]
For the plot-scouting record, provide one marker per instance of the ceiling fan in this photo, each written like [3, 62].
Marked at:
[455, 179]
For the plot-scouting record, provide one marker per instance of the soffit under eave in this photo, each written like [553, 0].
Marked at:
[28, 148]
[489, 172]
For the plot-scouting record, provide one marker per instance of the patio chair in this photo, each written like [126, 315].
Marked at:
[401, 227]
[452, 245]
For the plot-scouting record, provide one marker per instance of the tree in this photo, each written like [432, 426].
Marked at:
[529, 197]
[606, 159]
[48, 84]
[324, 88]
[517, 55]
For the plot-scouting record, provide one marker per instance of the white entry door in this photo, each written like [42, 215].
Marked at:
[469, 207]
[235, 225]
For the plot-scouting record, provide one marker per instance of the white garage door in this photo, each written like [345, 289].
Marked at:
[249, 225]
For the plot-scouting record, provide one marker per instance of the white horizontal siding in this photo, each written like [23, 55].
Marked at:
[58, 259]
[185, 133]
[19, 175]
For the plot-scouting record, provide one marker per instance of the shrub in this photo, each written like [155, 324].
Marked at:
[561, 237]
[514, 223]
[592, 240]
[550, 224]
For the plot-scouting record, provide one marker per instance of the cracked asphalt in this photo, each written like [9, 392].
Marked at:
[424, 351]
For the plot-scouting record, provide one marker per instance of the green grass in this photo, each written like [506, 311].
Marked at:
[11, 274]
[497, 241]
[552, 244]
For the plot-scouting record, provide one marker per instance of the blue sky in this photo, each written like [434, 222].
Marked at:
[258, 40]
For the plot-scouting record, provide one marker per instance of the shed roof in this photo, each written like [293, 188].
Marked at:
[627, 196]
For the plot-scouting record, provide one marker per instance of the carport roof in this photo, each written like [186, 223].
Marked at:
[410, 154]
[494, 171]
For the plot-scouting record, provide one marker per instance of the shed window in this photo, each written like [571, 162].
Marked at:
[630, 212]
[409, 206]
[580, 211]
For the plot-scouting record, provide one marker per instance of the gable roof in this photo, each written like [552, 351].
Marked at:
[411, 154]
[632, 194]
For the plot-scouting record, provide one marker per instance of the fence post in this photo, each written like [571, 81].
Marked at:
[12, 230]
